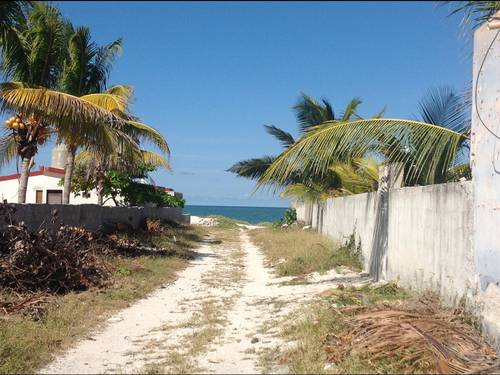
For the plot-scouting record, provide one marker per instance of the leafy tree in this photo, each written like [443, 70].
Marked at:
[123, 188]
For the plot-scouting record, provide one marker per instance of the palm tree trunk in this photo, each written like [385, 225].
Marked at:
[27, 162]
[68, 173]
[100, 190]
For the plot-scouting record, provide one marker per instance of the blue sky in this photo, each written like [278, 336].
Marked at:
[209, 75]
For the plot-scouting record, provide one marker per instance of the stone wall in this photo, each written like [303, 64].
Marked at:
[92, 216]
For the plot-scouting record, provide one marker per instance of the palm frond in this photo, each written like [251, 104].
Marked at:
[284, 137]
[474, 12]
[69, 113]
[8, 149]
[109, 102]
[335, 142]
[310, 113]
[301, 192]
[145, 132]
[350, 110]
[252, 168]
[155, 159]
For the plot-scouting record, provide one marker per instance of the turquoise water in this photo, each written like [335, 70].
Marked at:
[252, 215]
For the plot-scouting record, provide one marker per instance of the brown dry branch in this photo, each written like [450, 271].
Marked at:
[418, 336]
[58, 260]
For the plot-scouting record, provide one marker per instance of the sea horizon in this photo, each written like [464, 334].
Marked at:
[251, 214]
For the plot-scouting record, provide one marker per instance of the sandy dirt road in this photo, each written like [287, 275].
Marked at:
[219, 316]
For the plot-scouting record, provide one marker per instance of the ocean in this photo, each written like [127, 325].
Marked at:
[252, 215]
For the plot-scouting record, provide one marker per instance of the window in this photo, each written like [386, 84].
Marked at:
[39, 196]
[54, 196]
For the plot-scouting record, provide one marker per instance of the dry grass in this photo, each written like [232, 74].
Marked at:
[298, 252]
[29, 342]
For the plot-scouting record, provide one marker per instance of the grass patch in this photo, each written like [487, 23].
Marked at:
[26, 344]
[297, 252]
[224, 222]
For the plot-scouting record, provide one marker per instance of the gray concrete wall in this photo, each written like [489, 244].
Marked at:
[93, 217]
[430, 239]
[425, 240]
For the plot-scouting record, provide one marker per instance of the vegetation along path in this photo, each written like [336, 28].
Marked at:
[219, 316]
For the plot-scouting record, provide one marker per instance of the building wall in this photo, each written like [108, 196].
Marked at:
[8, 190]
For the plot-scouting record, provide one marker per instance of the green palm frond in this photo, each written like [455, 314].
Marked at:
[304, 193]
[8, 149]
[350, 110]
[358, 176]
[336, 142]
[475, 12]
[284, 137]
[252, 168]
[310, 113]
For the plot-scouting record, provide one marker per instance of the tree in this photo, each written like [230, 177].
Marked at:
[122, 149]
[33, 60]
[85, 72]
[428, 148]
[302, 185]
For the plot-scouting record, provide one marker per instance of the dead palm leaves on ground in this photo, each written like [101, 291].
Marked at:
[412, 337]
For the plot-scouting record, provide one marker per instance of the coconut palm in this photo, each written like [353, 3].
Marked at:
[86, 71]
[302, 185]
[428, 148]
[33, 61]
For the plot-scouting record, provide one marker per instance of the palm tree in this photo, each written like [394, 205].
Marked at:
[302, 185]
[428, 148]
[33, 60]
[85, 72]
[122, 150]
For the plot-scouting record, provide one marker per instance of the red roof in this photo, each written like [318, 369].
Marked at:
[42, 171]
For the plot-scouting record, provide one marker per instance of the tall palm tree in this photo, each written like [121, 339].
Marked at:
[33, 60]
[428, 147]
[86, 71]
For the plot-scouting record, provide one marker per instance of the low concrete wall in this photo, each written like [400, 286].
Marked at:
[92, 216]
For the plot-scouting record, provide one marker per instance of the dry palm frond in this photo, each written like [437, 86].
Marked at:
[69, 113]
[416, 338]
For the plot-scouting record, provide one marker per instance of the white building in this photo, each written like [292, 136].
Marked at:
[44, 185]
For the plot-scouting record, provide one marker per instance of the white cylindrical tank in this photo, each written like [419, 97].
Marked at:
[59, 156]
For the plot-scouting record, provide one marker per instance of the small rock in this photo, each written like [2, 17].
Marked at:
[305, 227]
[328, 366]
[115, 319]
[254, 340]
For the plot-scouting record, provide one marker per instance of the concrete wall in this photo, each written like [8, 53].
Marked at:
[94, 217]
[430, 239]
[425, 240]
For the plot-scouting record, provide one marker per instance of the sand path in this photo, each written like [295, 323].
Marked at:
[219, 316]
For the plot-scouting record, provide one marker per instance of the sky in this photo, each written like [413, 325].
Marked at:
[209, 75]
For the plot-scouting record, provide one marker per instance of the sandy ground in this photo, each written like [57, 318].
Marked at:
[219, 316]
